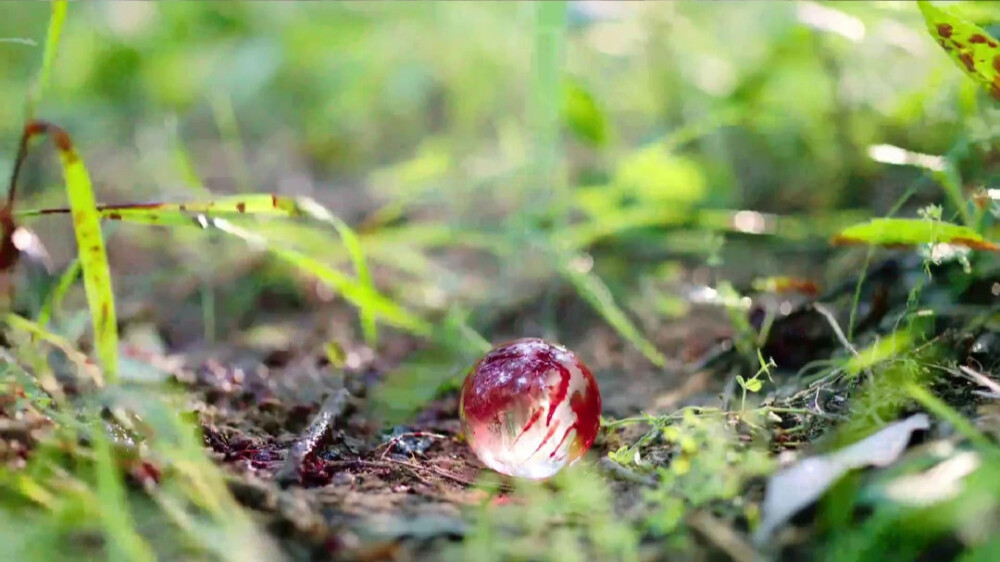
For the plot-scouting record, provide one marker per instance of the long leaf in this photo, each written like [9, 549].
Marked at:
[196, 499]
[52, 37]
[355, 292]
[910, 232]
[36, 330]
[594, 291]
[260, 204]
[353, 246]
[122, 540]
[969, 46]
[90, 241]
[53, 301]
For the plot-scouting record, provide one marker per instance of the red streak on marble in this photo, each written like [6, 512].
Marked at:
[587, 408]
[548, 435]
[558, 393]
[534, 418]
[561, 441]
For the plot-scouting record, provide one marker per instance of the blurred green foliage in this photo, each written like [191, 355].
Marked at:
[421, 119]
[353, 87]
[570, 517]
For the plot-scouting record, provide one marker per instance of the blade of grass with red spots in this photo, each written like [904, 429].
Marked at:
[165, 213]
[912, 232]
[263, 204]
[969, 46]
[90, 241]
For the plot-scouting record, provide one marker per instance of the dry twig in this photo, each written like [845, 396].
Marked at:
[333, 407]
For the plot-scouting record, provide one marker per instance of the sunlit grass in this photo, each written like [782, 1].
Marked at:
[90, 240]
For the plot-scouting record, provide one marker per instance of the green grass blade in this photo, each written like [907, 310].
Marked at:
[27, 42]
[546, 99]
[197, 499]
[225, 120]
[49, 56]
[428, 372]
[353, 245]
[260, 204]
[251, 204]
[41, 374]
[90, 245]
[122, 540]
[615, 221]
[182, 158]
[27, 326]
[595, 292]
[360, 295]
[910, 232]
[942, 410]
[93, 262]
[54, 300]
[886, 348]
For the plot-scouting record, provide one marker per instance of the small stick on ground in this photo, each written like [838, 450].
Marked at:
[836, 327]
[333, 407]
[435, 470]
[723, 536]
[392, 463]
[391, 444]
[980, 378]
[618, 471]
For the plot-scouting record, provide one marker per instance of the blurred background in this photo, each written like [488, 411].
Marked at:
[636, 132]
[654, 185]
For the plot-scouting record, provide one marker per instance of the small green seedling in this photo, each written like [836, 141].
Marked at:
[754, 383]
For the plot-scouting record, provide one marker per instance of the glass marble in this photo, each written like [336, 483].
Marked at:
[530, 408]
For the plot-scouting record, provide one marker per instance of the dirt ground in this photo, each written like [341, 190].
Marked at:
[367, 492]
